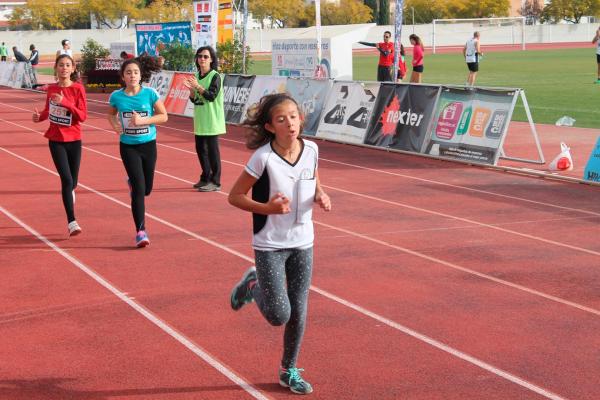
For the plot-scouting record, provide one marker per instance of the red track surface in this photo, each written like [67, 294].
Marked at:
[433, 280]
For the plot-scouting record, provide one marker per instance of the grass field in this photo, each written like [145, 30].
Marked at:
[556, 82]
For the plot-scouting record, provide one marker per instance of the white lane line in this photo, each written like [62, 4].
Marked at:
[450, 350]
[348, 233]
[188, 343]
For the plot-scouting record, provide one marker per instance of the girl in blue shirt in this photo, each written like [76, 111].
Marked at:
[134, 111]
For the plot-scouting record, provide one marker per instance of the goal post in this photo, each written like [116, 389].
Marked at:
[494, 31]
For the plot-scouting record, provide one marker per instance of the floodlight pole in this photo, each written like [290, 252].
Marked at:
[244, 35]
[397, 37]
[319, 39]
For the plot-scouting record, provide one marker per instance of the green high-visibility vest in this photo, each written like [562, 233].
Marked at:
[209, 117]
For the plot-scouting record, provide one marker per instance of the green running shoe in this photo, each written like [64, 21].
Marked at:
[291, 378]
[241, 293]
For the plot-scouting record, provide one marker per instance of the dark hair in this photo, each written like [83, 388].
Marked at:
[64, 41]
[123, 54]
[402, 52]
[75, 75]
[388, 32]
[416, 39]
[147, 65]
[31, 47]
[260, 115]
[214, 61]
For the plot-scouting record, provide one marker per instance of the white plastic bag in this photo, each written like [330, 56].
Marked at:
[565, 121]
[563, 161]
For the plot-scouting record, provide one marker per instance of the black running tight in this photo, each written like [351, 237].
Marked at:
[281, 294]
[139, 161]
[67, 157]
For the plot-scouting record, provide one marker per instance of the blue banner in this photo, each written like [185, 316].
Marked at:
[152, 38]
[592, 168]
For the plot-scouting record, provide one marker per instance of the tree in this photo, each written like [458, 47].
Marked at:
[113, 12]
[230, 55]
[532, 11]
[345, 13]
[486, 8]
[283, 14]
[168, 10]
[569, 10]
[49, 14]
[426, 10]
[383, 17]
[90, 51]
[374, 6]
[178, 57]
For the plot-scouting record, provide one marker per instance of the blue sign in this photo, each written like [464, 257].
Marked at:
[152, 38]
[592, 168]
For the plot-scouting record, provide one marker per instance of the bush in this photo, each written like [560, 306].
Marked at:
[230, 56]
[90, 51]
[178, 57]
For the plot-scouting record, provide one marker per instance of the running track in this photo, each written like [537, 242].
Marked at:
[433, 280]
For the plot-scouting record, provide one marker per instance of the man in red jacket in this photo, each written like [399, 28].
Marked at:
[386, 57]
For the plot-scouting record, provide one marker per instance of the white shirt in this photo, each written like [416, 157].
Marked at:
[63, 51]
[471, 51]
[297, 182]
[598, 47]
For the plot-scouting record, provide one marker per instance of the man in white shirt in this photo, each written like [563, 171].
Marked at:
[66, 48]
[472, 52]
[596, 41]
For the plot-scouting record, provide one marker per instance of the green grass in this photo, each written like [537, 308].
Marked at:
[556, 82]
[45, 71]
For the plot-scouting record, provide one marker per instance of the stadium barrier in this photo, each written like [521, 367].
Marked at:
[452, 122]
[17, 75]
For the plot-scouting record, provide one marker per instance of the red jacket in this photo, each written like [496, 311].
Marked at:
[65, 118]
[386, 60]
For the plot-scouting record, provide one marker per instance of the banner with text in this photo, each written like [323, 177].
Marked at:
[470, 124]
[348, 111]
[153, 38]
[205, 26]
[177, 100]
[401, 116]
[298, 58]
[310, 94]
[237, 91]
[225, 31]
[262, 86]
[161, 81]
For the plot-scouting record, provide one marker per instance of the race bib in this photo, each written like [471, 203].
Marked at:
[129, 128]
[60, 115]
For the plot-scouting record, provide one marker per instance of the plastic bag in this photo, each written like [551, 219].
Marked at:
[563, 161]
[565, 121]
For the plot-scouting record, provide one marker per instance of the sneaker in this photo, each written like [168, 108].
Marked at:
[241, 294]
[209, 187]
[291, 378]
[199, 184]
[74, 228]
[141, 239]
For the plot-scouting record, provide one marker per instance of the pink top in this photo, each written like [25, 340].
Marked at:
[417, 56]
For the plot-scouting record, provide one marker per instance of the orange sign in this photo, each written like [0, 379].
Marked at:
[479, 121]
[225, 21]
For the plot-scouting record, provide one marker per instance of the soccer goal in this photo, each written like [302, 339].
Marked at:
[494, 31]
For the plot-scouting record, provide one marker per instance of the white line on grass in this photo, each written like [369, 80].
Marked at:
[439, 345]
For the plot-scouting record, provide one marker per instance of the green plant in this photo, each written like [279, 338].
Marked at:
[90, 51]
[178, 57]
[230, 55]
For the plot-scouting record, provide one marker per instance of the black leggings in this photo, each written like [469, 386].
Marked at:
[281, 294]
[139, 161]
[207, 148]
[67, 157]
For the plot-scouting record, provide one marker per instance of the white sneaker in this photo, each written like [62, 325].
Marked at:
[74, 228]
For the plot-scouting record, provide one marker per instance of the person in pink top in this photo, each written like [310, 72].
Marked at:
[66, 108]
[417, 61]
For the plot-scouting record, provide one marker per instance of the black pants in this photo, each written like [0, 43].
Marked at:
[207, 148]
[139, 161]
[3, 58]
[384, 74]
[67, 157]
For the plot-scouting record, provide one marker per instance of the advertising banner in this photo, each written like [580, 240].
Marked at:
[152, 38]
[401, 116]
[311, 95]
[347, 112]
[237, 91]
[205, 27]
[470, 124]
[592, 167]
[298, 58]
[161, 81]
[262, 86]
[29, 77]
[177, 100]
[6, 69]
[225, 31]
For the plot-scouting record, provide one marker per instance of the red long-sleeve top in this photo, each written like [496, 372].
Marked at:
[386, 60]
[417, 55]
[66, 117]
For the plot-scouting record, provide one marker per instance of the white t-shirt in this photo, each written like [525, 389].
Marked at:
[63, 51]
[471, 52]
[297, 182]
[598, 47]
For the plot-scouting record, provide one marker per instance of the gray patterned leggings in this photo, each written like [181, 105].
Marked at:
[282, 306]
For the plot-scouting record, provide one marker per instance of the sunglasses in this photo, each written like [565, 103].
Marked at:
[204, 56]
[386, 36]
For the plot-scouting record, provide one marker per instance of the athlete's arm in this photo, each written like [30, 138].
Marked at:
[238, 197]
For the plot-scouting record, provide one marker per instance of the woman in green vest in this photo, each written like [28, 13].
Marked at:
[206, 92]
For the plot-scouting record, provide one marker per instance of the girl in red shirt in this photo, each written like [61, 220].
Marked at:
[66, 108]
[417, 62]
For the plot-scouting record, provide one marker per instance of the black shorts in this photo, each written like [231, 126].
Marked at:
[418, 68]
[598, 58]
[473, 66]
[384, 74]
